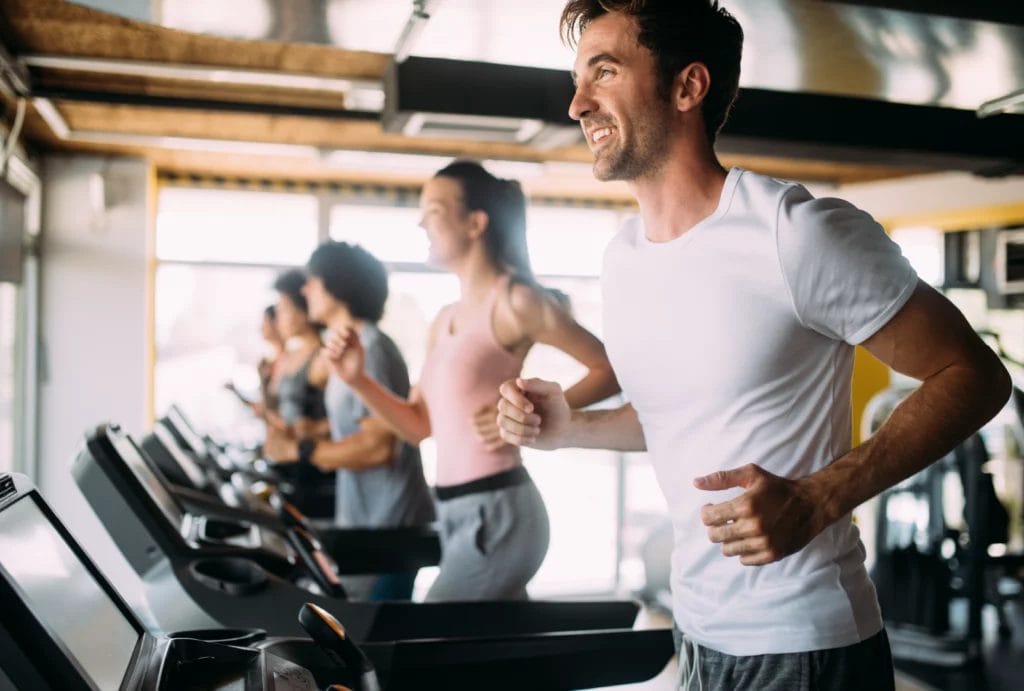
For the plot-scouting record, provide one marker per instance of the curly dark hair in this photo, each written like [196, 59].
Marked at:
[353, 276]
[678, 33]
[290, 285]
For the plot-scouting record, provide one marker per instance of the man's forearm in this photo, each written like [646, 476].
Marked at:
[616, 430]
[357, 451]
[940, 414]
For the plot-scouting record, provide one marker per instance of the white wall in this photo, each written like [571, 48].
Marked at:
[926, 194]
[93, 327]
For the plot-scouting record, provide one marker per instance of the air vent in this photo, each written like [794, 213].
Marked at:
[455, 99]
[454, 126]
[6, 486]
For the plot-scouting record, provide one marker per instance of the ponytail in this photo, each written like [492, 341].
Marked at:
[505, 205]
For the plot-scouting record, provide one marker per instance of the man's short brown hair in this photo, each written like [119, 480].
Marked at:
[678, 33]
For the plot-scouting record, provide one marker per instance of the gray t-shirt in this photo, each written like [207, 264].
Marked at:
[395, 494]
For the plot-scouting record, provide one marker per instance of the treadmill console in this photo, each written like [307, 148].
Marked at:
[188, 433]
[192, 470]
[64, 626]
[197, 530]
[95, 632]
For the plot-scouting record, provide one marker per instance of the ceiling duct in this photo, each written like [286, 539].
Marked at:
[476, 100]
[431, 97]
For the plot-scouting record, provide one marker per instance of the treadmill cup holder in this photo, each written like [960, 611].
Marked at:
[231, 575]
[242, 638]
[218, 529]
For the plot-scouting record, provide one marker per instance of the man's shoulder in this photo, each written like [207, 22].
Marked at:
[384, 361]
[764, 193]
[795, 206]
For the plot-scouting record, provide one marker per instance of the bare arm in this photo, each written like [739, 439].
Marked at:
[307, 428]
[540, 319]
[617, 430]
[408, 419]
[963, 386]
[372, 446]
[535, 413]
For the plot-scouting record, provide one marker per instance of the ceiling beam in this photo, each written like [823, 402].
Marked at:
[202, 104]
[204, 74]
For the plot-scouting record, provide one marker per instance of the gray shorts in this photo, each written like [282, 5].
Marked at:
[492, 543]
[862, 666]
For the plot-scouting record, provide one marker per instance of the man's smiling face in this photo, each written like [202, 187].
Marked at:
[626, 121]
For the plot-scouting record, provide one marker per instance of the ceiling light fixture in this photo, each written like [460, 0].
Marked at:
[206, 74]
[421, 164]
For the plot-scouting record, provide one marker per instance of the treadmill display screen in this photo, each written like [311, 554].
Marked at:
[186, 430]
[63, 595]
[154, 485]
[180, 456]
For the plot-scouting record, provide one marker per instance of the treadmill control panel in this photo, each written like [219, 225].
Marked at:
[80, 616]
[63, 625]
[215, 532]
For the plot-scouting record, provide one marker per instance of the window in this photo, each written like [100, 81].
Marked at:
[924, 248]
[208, 333]
[570, 242]
[8, 374]
[392, 234]
[218, 253]
[237, 227]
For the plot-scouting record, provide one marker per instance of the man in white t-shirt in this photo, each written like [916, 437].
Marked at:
[732, 306]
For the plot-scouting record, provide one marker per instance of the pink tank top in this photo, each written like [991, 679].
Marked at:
[461, 374]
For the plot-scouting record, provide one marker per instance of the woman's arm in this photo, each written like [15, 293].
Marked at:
[541, 319]
[407, 418]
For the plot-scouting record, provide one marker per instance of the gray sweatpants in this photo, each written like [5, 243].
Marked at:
[860, 667]
[492, 543]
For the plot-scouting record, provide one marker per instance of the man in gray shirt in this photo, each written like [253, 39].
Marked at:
[380, 481]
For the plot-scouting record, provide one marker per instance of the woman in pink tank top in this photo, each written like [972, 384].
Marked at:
[493, 524]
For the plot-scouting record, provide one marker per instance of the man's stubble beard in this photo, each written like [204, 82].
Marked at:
[646, 157]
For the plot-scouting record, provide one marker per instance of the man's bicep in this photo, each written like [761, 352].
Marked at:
[927, 335]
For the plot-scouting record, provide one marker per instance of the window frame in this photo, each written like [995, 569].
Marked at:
[20, 175]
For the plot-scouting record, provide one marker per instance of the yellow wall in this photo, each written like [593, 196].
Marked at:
[869, 377]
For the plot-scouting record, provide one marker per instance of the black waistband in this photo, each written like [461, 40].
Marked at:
[506, 478]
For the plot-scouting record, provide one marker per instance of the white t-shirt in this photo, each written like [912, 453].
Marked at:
[733, 344]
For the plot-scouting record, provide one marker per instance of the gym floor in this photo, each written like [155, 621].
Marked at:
[1003, 669]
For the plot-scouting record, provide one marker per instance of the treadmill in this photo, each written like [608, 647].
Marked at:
[230, 576]
[64, 626]
[202, 491]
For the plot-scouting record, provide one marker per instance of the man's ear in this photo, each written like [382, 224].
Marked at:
[691, 86]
